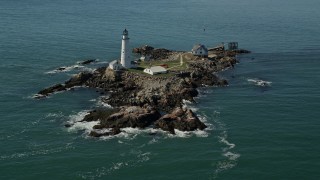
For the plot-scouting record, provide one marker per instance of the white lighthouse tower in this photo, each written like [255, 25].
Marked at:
[125, 52]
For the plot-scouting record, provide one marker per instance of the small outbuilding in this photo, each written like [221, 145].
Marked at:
[115, 65]
[199, 50]
[155, 70]
[145, 57]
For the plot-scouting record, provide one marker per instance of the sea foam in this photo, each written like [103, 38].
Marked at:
[77, 125]
[259, 82]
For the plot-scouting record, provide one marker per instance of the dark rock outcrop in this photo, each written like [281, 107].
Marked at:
[181, 119]
[61, 68]
[89, 61]
[160, 53]
[114, 131]
[52, 89]
[143, 50]
[99, 114]
[78, 80]
[129, 116]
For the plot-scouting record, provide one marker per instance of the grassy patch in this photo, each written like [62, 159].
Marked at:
[174, 65]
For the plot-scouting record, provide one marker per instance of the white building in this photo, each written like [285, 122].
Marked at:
[125, 51]
[199, 50]
[145, 58]
[155, 70]
[115, 65]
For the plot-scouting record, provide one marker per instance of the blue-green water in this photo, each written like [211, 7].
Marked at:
[255, 132]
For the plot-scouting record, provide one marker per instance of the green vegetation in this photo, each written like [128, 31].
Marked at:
[172, 65]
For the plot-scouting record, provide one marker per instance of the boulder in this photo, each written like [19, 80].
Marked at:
[61, 69]
[87, 61]
[78, 80]
[129, 116]
[99, 114]
[52, 89]
[114, 131]
[160, 53]
[143, 49]
[181, 119]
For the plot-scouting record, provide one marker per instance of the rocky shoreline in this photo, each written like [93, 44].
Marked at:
[140, 100]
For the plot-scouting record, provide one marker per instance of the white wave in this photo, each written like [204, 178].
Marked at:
[200, 133]
[77, 125]
[103, 104]
[224, 165]
[143, 157]
[37, 152]
[88, 69]
[78, 117]
[187, 134]
[139, 157]
[180, 134]
[87, 126]
[131, 133]
[259, 82]
[227, 164]
[38, 96]
[66, 69]
[55, 115]
[188, 105]
[102, 62]
[153, 141]
[223, 139]
[231, 156]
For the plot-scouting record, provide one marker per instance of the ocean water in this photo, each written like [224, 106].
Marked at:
[254, 132]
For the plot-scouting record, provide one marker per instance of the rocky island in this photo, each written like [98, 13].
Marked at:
[140, 100]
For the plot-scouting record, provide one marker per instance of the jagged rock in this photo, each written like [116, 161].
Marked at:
[114, 131]
[129, 116]
[99, 114]
[222, 82]
[189, 93]
[88, 61]
[55, 88]
[181, 119]
[160, 53]
[61, 69]
[78, 80]
[143, 49]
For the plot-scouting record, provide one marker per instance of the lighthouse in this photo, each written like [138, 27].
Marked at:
[125, 52]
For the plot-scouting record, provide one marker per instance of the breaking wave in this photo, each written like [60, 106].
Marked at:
[231, 157]
[188, 104]
[37, 152]
[66, 69]
[77, 125]
[136, 155]
[72, 68]
[101, 103]
[259, 82]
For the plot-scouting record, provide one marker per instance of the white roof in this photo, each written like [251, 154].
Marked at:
[113, 62]
[156, 69]
[198, 46]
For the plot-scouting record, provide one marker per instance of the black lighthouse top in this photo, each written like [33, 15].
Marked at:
[125, 32]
